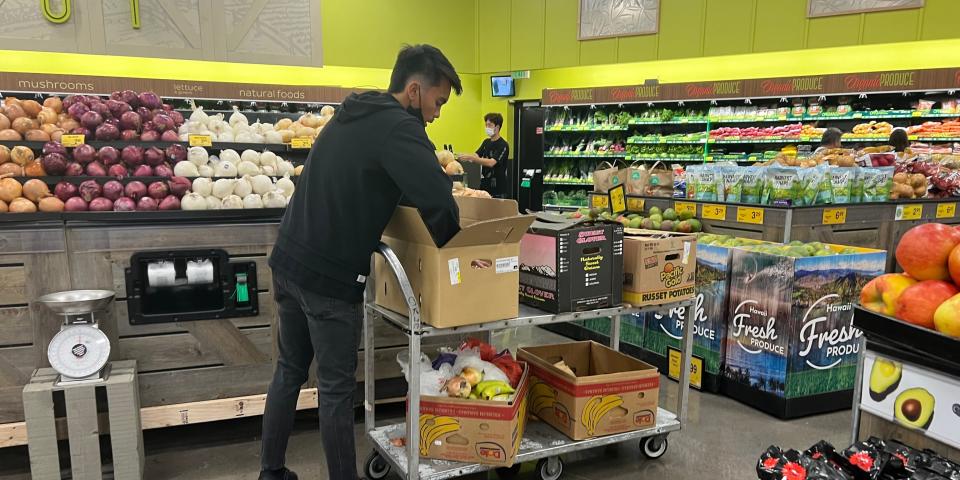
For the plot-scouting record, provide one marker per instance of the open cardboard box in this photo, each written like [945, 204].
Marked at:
[612, 392]
[472, 279]
[480, 431]
[659, 267]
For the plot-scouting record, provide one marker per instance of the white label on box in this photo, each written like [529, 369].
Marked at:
[454, 266]
[686, 252]
[507, 265]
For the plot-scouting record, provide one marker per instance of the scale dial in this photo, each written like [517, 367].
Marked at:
[78, 351]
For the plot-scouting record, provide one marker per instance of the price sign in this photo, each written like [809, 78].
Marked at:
[618, 199]
[301, 142]
[200, 140]
[916, 113]
[599, 200]
[696, 367]
[750, 215]
[72, 140]
[714, 212]
[681, 207]
[635, 204]
[912, 211]
[946, 210]
[834, 216]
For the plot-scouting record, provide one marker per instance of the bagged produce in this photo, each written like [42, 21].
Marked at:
[660, 181]
[816, 185]
[702, 181]
[605, 177]
[783, 186]
[841, 184]
[877, 183]
[751, 184]
[732, 180]
[634, 178]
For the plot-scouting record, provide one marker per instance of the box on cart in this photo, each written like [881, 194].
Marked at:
[611, 392]
[569, 265]
[659, 267]
[791, 347]
[474, 431]
[472, 279]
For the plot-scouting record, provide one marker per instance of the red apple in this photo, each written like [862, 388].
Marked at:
[880, 294]
[924, 251]
[953, 264]
[918, 303]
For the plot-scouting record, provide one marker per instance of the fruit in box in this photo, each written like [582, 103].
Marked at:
[881, 294]
[924, 251]
[946, 319]
[918, 303]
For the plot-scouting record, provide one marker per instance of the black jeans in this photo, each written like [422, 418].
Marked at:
[312, 326]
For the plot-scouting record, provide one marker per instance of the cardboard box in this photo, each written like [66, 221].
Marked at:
[569, 265]
[472, 279]
[613, 392]
[474, 431]
[659, 267]
[791, 347]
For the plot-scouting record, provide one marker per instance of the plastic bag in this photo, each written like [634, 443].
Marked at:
[505, 362]
[470, 357]
[431, 381]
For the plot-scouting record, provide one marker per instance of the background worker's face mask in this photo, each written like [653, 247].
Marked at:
[490, 131]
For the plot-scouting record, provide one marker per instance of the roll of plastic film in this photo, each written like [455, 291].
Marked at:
[199, 272]
[161, 274]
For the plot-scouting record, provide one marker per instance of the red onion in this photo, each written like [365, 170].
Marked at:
[116, 96]
[143, 171]
[158, 190]
[75, 204]
[91, 99]
[170, 203]
[130, 97]
[124, 204]
[117, 170]
[162, 122]
[81, 131]
[145, 114]
[90, 189]
[135, 189]
[149, 99]
[65, 190]
[163, 170]
[74, 169]
[108, 155]
[91, 120]
[77, 109]
[108, 132]
[54, 147]
[176, 153]
[167, 107]
[132, 155]
[96, 169]
[170, 136]
[129, 136]
[54, 164]
[179, 186]
[117, 108]
[102, 109]
[113, 189]
[69, 100]
[84, 153]
[150, 136]
[130, 121]
[177, 117]
[147, 204]
[101, 204]
[153, 156]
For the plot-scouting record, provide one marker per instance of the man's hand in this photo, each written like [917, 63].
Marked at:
[469, 157]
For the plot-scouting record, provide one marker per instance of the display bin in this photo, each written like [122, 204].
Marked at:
[908, 385]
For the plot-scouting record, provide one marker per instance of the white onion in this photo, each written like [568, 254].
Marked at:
[251, 156]
[262, 184]
[203, 186]
[198, 156]
[223, 187]
[247, 168]
[268, 158]
[230, 155]
[226, 136]
[268, 170]
[193, 201]
[232, 202]
[252, 201]
[285, 168]
[244, 137]
[214, 203]
[198, 114]
[274, 199]
[243, 187]
[273, 137]
[237, 118]
[224, 168]
[286, 186]
[205, 171]
[185, 169]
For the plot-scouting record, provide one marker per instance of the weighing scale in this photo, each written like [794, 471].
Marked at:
[79, 352]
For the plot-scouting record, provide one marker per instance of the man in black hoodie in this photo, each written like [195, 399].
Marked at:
[373, 154]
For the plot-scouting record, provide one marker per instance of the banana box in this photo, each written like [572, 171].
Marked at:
[608, 393]
[474, 431]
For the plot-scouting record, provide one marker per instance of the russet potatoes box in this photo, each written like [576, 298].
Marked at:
[611, 392]
[472, 279]
[658, 267]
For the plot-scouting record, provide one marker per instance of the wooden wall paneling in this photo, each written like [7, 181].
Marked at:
[186, 351]
[226, 341]
[283, 32]
[15, 326]
[23, 27]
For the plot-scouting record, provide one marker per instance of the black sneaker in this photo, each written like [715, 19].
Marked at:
[281, 474]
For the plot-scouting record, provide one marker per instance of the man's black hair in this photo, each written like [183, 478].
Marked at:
[831, 137]
[426, 61]
[494, 118]
[899, 140]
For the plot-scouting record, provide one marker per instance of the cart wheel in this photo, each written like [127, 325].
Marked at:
[507, 473]
[376, 467]
[654, 447]
[550, 471]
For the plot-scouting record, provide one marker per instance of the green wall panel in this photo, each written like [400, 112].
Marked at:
[779, 25]
[834, 31]
[890, 27]
[681, 29]
[598, 52]
[729, 30]
[638, 48]
[940, 20]
[493, 35]
[561, 47]
[527, 41]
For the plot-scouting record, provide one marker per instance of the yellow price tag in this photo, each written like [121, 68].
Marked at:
[946, 210]
[301, 142]
[681, 207]
[200, 140]
[714, 212]
[696, 367]
[635, 204]
[72, 140]
[618, 199]
[599, 200]
[834, 216]
[750, 215]
[916, 113]
[912, 211]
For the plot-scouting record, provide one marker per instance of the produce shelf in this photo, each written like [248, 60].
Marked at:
[571, 184]
[239, 147]
[587, 128]
[565, 207]
[539, 441]
[912, 343]
[667, 142]
[584, 155]
[157, 216]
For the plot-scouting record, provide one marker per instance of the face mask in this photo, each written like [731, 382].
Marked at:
[417, 112]
[489, 131]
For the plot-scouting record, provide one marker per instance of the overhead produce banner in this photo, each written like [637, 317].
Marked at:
[894, 81]
[91, 85]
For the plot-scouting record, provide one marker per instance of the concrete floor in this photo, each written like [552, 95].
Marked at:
[722, 440]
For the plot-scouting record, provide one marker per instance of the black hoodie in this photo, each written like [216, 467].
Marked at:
[371, 154]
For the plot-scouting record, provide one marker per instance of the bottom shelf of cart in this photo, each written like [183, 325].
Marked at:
[539, 441]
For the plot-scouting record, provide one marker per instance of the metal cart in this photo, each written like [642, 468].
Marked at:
[541, 442]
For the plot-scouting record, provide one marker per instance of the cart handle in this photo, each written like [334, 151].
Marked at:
[412, 305]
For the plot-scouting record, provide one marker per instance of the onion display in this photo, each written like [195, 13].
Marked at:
[53, 147]
[107, 131]
[53, 103]
[77, 110]
[101, 204]
[130, 121]
[153, 156]
[10, 189]
[51, 205]
[74, 169]
[84, 153]
[129, 135]
[22, 205]
[112, 189]
[147, 204]
[108, 155]
[34, 169]
[171, 202]
[54, 164]
[143, 171]
[96, 169]
[34, 190]
[90, 189]
[124, 204]
[21, 155]
[176, 153]
[158, 190]
[117, 170]
[169, 136]
[149, 100]
[163, 170]
[75, 204]
[65, 190]
[150, 136]
[135, 190]
[132, 155]
[179, 186]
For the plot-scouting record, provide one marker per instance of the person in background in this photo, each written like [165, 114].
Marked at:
[373, 153]
[492, 157]
[899, 140]
[830, 139]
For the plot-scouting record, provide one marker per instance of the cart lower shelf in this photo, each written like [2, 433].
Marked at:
[539, 441]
